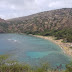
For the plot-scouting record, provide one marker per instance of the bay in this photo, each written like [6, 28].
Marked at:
[32, 50]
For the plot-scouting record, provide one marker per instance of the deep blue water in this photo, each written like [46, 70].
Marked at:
[32, 50]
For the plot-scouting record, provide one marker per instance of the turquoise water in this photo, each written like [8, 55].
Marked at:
[32, 50]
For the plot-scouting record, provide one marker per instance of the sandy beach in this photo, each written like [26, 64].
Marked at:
[64, 46]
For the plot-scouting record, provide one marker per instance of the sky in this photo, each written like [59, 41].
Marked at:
[18, 8]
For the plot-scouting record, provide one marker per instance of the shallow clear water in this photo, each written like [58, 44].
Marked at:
[32, 50]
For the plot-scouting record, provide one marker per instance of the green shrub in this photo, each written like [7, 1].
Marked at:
[69, 67]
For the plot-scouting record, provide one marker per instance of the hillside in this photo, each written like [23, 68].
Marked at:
[2, 20]
[55, 22]
[3, 26]
[55, 19]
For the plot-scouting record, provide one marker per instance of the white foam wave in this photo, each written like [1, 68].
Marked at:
[9, 39]
[13, 40]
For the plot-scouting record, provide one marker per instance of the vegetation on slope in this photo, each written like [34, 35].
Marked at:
[12, 66]
[65, 34]
[3, 27]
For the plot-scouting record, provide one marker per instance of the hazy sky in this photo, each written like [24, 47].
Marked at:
[17, 8]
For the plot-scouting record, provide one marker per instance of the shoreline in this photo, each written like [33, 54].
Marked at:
[64, 46]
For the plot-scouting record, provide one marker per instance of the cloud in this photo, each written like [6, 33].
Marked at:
[60, 4]
[17, 8]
